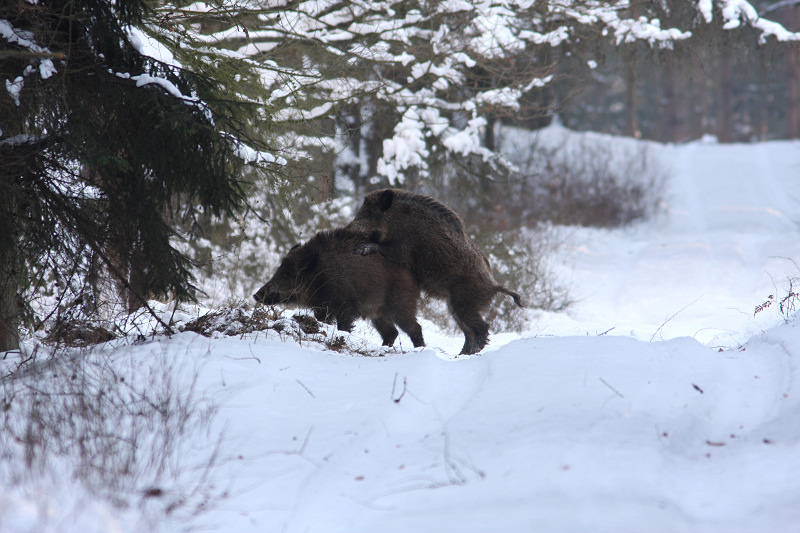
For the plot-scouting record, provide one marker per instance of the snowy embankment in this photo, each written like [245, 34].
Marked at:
[570, 434]
[559, 429]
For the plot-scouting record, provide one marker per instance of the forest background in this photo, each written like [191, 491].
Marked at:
[175, 150]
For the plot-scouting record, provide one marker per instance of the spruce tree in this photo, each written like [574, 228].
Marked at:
[98, 141]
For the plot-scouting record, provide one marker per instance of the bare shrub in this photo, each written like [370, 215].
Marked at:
[787, 298]
[75, 333]
[585, 184]
[233, 321]
[521, 260]
[245, 319]
[122, 431]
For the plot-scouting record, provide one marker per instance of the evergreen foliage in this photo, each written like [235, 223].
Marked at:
[98, 141]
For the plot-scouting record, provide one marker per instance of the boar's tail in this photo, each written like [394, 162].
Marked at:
[517, 299]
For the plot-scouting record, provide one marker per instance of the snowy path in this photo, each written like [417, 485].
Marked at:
[700, 269]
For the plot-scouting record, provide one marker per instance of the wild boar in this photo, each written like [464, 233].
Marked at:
[325, 276]
[428, 239]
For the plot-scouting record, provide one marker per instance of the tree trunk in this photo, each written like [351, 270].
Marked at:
[794, 78]
[723, 99]
[631, 100]
[489, 140]
[671, 114]
[794, 93]
[10, 310]
[9, 236]
[700, 116]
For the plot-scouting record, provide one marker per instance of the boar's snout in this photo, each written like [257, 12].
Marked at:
[266, 295]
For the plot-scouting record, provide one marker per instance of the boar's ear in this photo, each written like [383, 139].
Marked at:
[310, 262]
[295, 246]
[385, 199]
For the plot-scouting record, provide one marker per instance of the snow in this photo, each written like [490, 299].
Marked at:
[19, 37]
[722, 244]
[147, 46]
[20, 139]
[659, 402]
[467, 141]
[46, 68]
[250, 155]
[14, 88]
[147, 79]
[406, 149]
[24, 39]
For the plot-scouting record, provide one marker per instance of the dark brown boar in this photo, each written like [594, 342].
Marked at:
[325, 276]
[426, 237]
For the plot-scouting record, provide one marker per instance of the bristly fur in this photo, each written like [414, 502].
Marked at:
[324, 275]
[433, 206]
[427, 238]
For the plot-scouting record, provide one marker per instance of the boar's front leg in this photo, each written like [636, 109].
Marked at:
[345, 320]
[386, 329]
[323, 315]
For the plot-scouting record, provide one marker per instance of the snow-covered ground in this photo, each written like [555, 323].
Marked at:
[723, 244]
[658, 402]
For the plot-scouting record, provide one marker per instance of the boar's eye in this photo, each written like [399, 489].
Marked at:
[310, 262]
[287, 263]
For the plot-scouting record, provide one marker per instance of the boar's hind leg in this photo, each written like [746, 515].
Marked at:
[402, 307]
[386, 329]
[476, 330]
[345, 323]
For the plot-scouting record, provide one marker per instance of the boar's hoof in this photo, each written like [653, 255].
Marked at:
[366, 248]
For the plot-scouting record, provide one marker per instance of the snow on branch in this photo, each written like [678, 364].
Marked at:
[734, 12]
[251, 155]
[21, 38]
[439, 68]
[152, 48]
[407, 148]
[26, 40]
